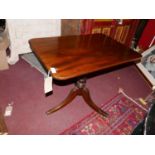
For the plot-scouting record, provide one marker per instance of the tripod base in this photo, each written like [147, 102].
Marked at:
[78, 90]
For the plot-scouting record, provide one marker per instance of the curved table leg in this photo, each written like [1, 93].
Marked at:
[86, 96]
[70, 97]
[80, 90]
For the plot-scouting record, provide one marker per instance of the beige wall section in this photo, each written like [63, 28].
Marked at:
[21, 30]
[70, 27]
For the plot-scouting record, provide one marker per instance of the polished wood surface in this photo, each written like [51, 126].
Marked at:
[77, 56]
[74, 56]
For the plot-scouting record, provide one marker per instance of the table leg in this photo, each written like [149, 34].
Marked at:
[67, 100]
[89, 101]
[80, 90]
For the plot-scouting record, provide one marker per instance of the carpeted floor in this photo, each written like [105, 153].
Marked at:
[23, 85]
[124, 116]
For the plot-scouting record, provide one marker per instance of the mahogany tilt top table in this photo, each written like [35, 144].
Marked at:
[78, 56]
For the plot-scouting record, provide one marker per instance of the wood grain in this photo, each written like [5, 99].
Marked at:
[78, 55]
[3, 127]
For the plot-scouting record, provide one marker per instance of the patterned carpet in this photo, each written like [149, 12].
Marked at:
[124, 116]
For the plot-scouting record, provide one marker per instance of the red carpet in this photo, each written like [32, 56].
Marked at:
[23, 85]
[124, 115]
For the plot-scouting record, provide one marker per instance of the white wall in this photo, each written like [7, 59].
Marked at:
[21, 30]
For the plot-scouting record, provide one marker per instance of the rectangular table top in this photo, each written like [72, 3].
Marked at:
[74, 56]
